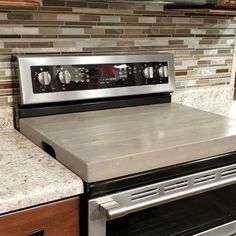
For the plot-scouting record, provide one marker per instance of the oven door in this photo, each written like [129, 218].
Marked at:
[201, 204]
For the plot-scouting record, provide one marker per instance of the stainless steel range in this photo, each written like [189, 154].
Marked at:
[150, 167]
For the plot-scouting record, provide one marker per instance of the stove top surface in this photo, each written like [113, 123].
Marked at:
[101, 145]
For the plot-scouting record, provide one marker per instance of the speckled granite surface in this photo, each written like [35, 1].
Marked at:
[28, 176]
[6, 117]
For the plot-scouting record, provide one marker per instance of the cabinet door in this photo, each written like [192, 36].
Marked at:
[55, 219]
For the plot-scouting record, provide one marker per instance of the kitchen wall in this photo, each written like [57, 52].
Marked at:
[202, 42]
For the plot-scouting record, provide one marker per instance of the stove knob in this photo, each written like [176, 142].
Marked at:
[162, 71]
[64, 77]
[148, 72]
[44, 78]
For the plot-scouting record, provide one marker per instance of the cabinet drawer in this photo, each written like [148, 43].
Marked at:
[55, 219]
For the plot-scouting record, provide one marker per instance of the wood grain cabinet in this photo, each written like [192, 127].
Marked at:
[226, 3]
[55, 219]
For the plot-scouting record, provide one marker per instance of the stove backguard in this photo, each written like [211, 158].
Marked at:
[50, 79]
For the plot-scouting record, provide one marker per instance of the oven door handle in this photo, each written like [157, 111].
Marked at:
[113, 210]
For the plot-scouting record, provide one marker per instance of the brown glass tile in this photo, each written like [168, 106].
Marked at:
[104, 36]
[56, 9]
[49, 30]
[128, 19]
[41, 44]
[205, 36]
[80, 23]
[159, 35]
[179, 42]
[114, 5]
[181, 73]
[31, 23]
[5, 50]
[139, 24]
[167, 31]
[110, 24]
[210, 21]
[182, 35]
[73, 36]
[222, 70]
[108, 48]
[89, 18]
[226, 36]
[31, 36]
[133, 36]
[197, 52]
[170, 25]
[206, 41]
[9, 36]
[11, 8]
[133, 31]
[125, 43]
[8, 85]
[150, 31]
[19, 16]
[202, 81]
[44, 17]
[53, 3]
[183, 31]
[113, 31]
[94, 31]
[164, 19]
[16, 44]
[224, 51]
[102, 5]
[77, 4]
[204, 62]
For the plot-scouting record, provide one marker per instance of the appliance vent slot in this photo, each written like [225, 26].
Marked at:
[144, 194]
[228, 173]
[176, 186]
[204, 178]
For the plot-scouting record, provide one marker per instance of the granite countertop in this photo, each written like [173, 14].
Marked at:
[28, 175]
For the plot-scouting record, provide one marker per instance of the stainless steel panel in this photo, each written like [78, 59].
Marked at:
[26, 88]
[120, 204]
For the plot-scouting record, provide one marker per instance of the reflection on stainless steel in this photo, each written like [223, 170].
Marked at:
[118, 205]
[29, 97]
[44, 78]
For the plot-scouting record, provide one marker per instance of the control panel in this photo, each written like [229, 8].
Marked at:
[58, 78]
[61, 78]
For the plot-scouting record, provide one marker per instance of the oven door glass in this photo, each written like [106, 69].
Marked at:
[188, 216]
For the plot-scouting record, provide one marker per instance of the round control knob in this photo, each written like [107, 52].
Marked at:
[64, 77]
[44, 78]
[162, 71]
[148, 72]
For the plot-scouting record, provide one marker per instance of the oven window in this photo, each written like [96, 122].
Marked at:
[180, 218]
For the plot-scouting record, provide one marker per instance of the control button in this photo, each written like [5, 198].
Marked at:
[64, 77]
[148, 72]
[44, 78]
[162, 71]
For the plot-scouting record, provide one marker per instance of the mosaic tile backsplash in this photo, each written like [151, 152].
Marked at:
[202, 42]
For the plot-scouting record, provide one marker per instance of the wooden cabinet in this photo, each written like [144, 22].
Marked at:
[55, 219]
[226, 3]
